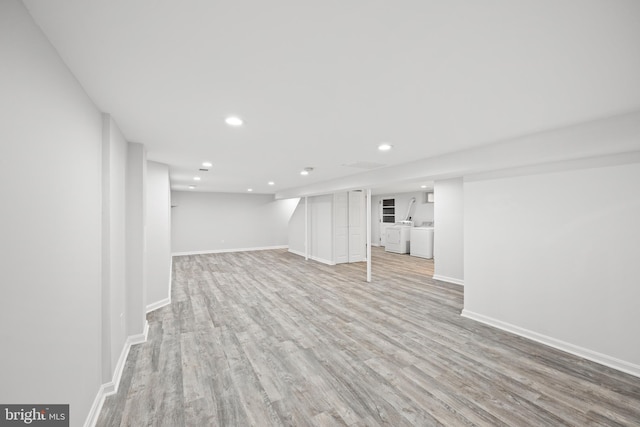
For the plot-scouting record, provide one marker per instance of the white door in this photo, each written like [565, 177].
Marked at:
[357, 226]
[341, 227]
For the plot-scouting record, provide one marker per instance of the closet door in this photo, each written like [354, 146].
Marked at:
[341, 228]
[357, 226]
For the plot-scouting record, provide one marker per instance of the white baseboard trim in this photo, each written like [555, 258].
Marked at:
[158, 304]
[322, 260]
[220, 251]
[96, 407]
[166, 301]
[585, 353]
[131, 340]
[111, 387]
[448, 279]
[140, 338]
[311, 257]
[293, 251]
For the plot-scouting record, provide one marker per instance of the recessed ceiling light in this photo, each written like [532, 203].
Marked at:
[384, 147]
[271, 183]
[249, 189]
[196, 178]
[207, 164]
[191, 187]
[233, 121]
[306, 171]
[423, 186]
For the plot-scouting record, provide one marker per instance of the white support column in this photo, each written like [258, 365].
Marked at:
[306, 228]
[368, 235]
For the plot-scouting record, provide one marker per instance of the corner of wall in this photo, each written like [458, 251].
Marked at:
[582, 352]
[110, 388]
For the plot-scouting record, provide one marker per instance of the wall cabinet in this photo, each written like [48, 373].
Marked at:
[388, 211]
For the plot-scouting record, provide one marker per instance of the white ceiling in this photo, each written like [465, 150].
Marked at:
[322, 83]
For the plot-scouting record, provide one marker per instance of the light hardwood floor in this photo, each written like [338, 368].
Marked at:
[266, 338]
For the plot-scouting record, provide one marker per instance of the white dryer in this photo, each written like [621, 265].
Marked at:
[398, 238]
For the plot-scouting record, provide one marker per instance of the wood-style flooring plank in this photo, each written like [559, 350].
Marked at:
[266, 338]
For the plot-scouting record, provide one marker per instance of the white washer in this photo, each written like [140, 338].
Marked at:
[398, 238]
[422, 242]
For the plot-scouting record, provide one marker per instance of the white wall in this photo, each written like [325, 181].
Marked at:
[50, 223]
[448, 243]
[158, 235]
[554, 257]
[320, 229]
[136, 238]
[422, 211]
[295, 231]
[209, 222]
[114, 168]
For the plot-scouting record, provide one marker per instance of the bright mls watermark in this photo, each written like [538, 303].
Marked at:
[34, 415]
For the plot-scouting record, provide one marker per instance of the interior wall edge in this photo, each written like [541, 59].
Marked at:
[560, 166]
[166, 301]
[296, 252]
[158, 304]
[111, 387]
[553, 257]
[96, 407]
[221, 251]
[312, 257]
[157, 235]
[585, 353]
[448, 279]
[614, 135]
